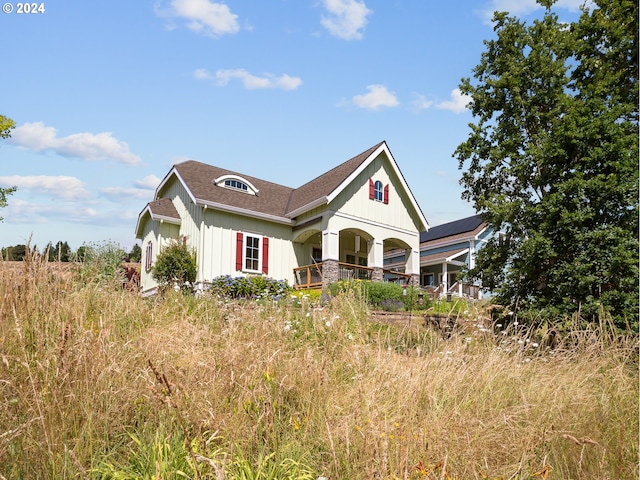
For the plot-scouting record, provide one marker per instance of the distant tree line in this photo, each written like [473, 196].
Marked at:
[60, 252]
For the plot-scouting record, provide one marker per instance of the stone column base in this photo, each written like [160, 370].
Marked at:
[377, 275]
[330, 273]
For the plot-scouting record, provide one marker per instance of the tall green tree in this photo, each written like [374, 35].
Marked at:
[552, 161]
[135, 255]
[6, 125]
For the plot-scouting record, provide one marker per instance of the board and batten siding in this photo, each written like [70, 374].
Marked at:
[354, 200]
[160, 235]
[218, 253]
[190, 213]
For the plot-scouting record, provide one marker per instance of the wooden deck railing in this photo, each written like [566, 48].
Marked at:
[309, 276]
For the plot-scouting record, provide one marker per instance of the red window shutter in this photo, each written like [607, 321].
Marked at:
[386, 193]
[265, 255]
[372, 190]
[239, 243]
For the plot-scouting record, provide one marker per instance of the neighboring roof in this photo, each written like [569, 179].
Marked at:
[441, 257]
[273, 201]
[462, 228]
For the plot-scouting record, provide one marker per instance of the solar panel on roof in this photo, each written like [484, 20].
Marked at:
[456, 227]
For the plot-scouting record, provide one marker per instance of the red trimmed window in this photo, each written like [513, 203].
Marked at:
[252, 253]
[378, 191]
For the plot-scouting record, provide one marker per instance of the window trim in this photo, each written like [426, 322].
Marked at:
[241, 253]
[244, 252]
[378, 191]
[222, 182]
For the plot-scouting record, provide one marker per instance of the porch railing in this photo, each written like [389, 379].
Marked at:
[310, 276]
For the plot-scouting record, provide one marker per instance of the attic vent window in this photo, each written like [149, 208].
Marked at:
[235, 182]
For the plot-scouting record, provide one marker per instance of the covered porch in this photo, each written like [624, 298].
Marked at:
[326, 256]
[440, 274]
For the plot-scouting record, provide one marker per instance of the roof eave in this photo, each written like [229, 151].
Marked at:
[154, 217]
[243, 211]
[309, 206]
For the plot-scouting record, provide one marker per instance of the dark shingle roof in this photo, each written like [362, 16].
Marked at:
[199, 177]
[271, 199]
[457, 227]
[164, 207]
[327, 182]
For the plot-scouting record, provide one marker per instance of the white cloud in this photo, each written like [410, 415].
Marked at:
[150, 182]
[86, 146]
[23, 212]
[345, 18]
[458, 102]
[61, 187]
[203, 16]
[421, 103]
[377, 97]
[249, 81]
[124, 194]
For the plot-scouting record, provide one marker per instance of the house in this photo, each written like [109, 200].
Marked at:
[444, 251]
[337, 226]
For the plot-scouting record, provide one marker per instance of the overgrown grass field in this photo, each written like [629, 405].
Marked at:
[99, 383]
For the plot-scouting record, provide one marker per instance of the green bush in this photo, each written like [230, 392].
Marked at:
[249, 287]
[175, 265]
[100, 262]
[381, 295]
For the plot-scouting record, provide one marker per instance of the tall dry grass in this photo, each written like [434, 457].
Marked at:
[95, 381]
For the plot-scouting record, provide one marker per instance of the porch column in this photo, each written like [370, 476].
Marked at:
[444, 277]
[330, 257]
[376, 259]
[412, 264]
[472, 254]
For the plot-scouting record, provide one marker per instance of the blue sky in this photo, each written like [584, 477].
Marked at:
[108, 95]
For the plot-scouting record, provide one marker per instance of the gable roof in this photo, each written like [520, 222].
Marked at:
[162, 210]
[322, 186]
[199, 180]
[458, 228]
[272, 201]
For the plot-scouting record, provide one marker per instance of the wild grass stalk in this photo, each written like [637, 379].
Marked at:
[97, 382]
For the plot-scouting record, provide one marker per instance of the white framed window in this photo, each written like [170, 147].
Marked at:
[252, 253]
[378, 191]
[235, 182]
